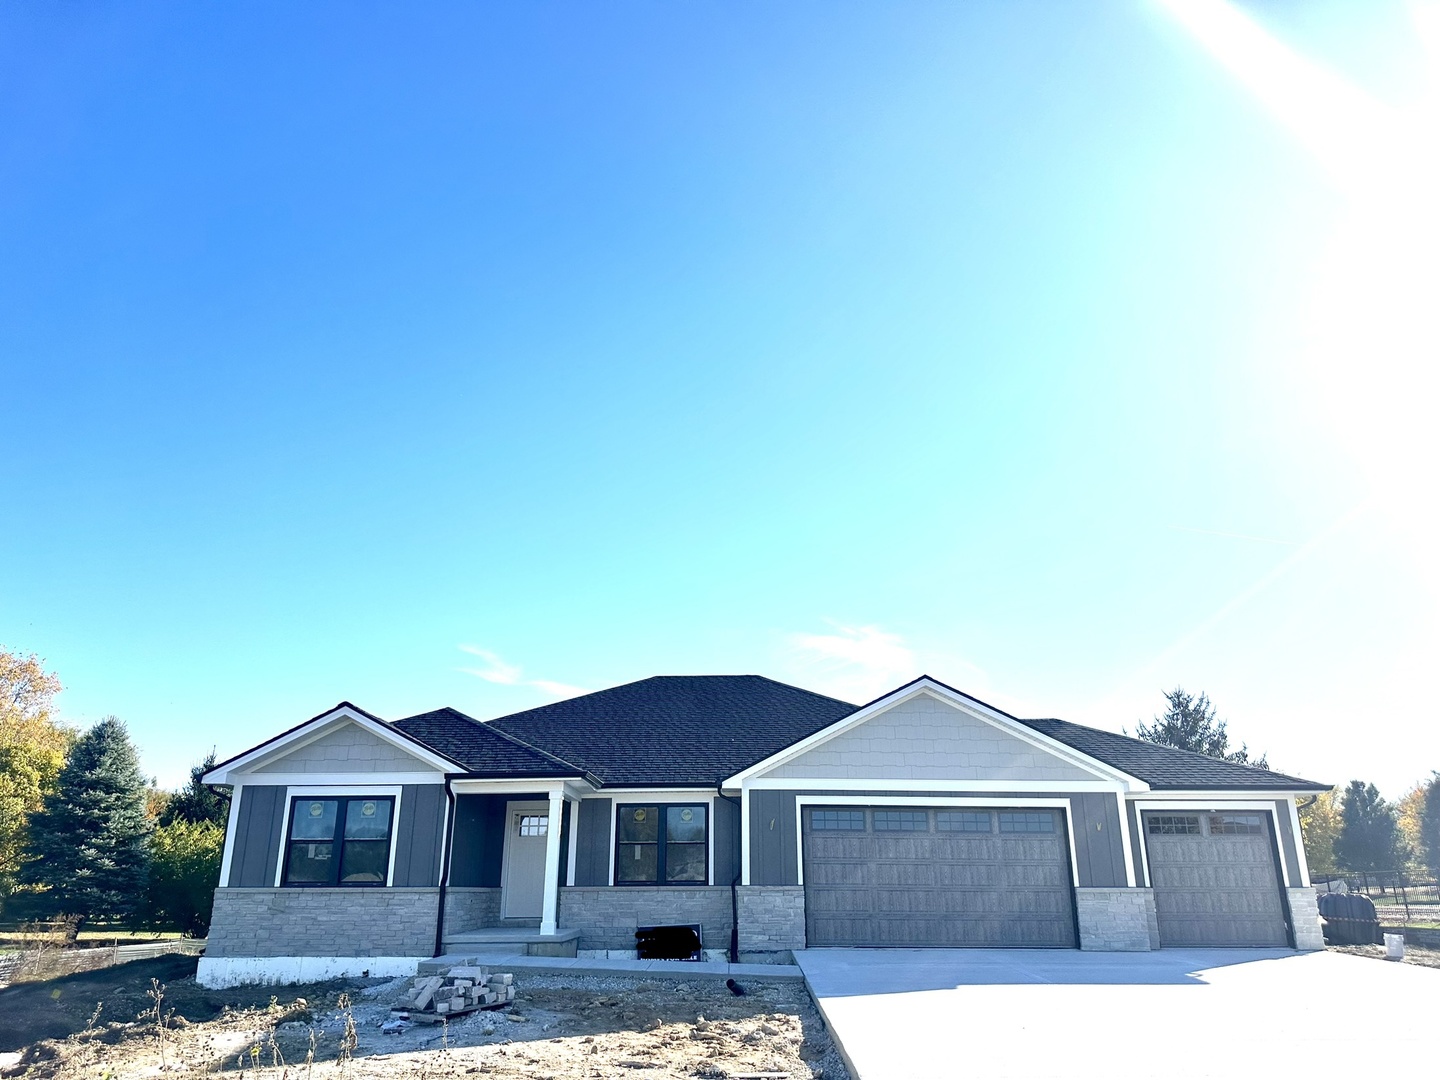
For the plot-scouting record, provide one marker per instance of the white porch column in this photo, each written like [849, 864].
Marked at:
[549, 912]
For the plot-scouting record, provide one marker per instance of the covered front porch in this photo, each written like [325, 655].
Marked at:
[511, 848]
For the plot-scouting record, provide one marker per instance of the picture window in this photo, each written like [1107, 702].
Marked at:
[340, 841]
[662, 845]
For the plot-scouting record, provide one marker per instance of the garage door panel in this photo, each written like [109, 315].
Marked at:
[909, 888]
[1214, 888]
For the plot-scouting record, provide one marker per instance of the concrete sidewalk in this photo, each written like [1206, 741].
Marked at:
[915, 1014]
[667, 969]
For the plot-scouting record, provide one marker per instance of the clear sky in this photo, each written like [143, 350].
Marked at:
[475, 354]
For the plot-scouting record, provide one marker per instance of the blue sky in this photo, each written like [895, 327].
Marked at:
[476, 354]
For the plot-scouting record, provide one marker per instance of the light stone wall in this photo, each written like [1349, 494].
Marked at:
[1117, 920]
[1305, 916]
[350, 749]
[925, 738]
[323, 922]
[471, 909]
[772, 918]
[607, 916]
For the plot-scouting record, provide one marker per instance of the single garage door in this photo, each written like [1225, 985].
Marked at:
[1215, 879]
[906, 876]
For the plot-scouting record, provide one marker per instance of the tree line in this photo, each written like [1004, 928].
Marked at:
[1346, 830]
[83, 832]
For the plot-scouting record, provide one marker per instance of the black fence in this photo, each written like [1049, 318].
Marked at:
[1401, 898]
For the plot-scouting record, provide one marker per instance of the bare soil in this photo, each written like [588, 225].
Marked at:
[1418, 955]
[559, 1027]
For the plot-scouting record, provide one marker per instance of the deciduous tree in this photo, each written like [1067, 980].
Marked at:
[184, 870]
[1189, 723]
[32, 750]
[89, 844]
[1320, 826]
[1430, 826]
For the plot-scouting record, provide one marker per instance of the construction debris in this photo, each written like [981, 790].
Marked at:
[434, 998]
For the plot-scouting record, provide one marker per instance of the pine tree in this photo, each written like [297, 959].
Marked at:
[89, 844]
[196, 802]
[1189, 724]
[1430, 826]
[1369, 834]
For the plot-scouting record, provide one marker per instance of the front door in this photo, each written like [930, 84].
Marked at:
[522, 878]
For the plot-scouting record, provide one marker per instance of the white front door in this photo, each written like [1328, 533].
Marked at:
[522, 875]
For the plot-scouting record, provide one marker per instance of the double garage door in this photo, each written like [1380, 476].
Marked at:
[938, 877]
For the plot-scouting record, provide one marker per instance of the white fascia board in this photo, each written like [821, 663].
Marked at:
[967, 705]
[570, 789]
[340, 780]
[318, 728]
[1225, 795]
[875, 783]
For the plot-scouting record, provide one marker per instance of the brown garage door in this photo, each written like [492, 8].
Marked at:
[937, 877]
[1215, 879]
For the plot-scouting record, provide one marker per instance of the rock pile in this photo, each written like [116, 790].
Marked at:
[433, 998]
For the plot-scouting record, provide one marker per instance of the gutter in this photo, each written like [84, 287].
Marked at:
[445, 849]
[735, 883]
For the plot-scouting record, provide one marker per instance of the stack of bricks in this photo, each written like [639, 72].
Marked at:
[434, 998]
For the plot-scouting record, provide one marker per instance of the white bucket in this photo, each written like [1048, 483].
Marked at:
[1394, 946]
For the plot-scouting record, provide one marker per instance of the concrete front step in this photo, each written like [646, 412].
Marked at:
[555, 965]
[513, 941]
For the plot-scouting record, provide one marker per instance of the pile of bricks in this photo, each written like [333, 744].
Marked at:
[463, 990]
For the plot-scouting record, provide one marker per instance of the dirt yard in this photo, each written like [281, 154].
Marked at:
[1414, 954]
[559, 1027]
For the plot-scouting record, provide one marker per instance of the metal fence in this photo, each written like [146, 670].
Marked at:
[1400, 897]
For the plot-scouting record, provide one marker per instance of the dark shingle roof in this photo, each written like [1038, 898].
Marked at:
[676, 729]
[1164, 766]
[482, 749]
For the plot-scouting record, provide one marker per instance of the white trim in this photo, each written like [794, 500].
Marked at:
[550, 901]
[221, 972]
[802, 801]
[1300, 855]
[317, 728]
[745, 835]
[231, 826]
[538, 786]
[572, 811]
[873, 783]
[311, 791]
[1201, 794]
[1125, 840]
[1221, 806]
[341, 780]
[959, 701]
[614, 836]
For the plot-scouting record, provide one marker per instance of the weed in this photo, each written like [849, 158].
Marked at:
[156, 994]
[349, 1038]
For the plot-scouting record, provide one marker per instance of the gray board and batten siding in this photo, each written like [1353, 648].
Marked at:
[1099, 851]
[417, 836]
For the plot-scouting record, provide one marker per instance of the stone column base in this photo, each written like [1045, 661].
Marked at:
[772, 918]
[1305, 917]
[1117, 920]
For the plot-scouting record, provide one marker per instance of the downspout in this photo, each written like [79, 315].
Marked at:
[735, 883]
[445, 867]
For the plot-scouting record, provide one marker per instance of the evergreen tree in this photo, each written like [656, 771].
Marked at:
[89, 844]
[1430, 826]
[196, 802]
[1369, 833]
[1189, 724]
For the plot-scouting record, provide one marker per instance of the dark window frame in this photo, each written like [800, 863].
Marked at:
[828, 819]
[336, 842]
[662, 842]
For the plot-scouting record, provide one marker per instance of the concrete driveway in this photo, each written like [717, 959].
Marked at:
[912, 1014]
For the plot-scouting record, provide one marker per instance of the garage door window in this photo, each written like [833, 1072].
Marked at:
[1027, 823]
[838, 821]
[961, 821]
[902, 821]
[1236, 825]
[1173, 824]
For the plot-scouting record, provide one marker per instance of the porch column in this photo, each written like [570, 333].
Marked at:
[552, 863]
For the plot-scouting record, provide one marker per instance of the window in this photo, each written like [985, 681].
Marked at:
[1173, 825]
[837, 820]
[339, 841]
[1027, 822]
[661, 845]
[962, 821]
[1236, 825]
[534, 824]
[902, 821]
